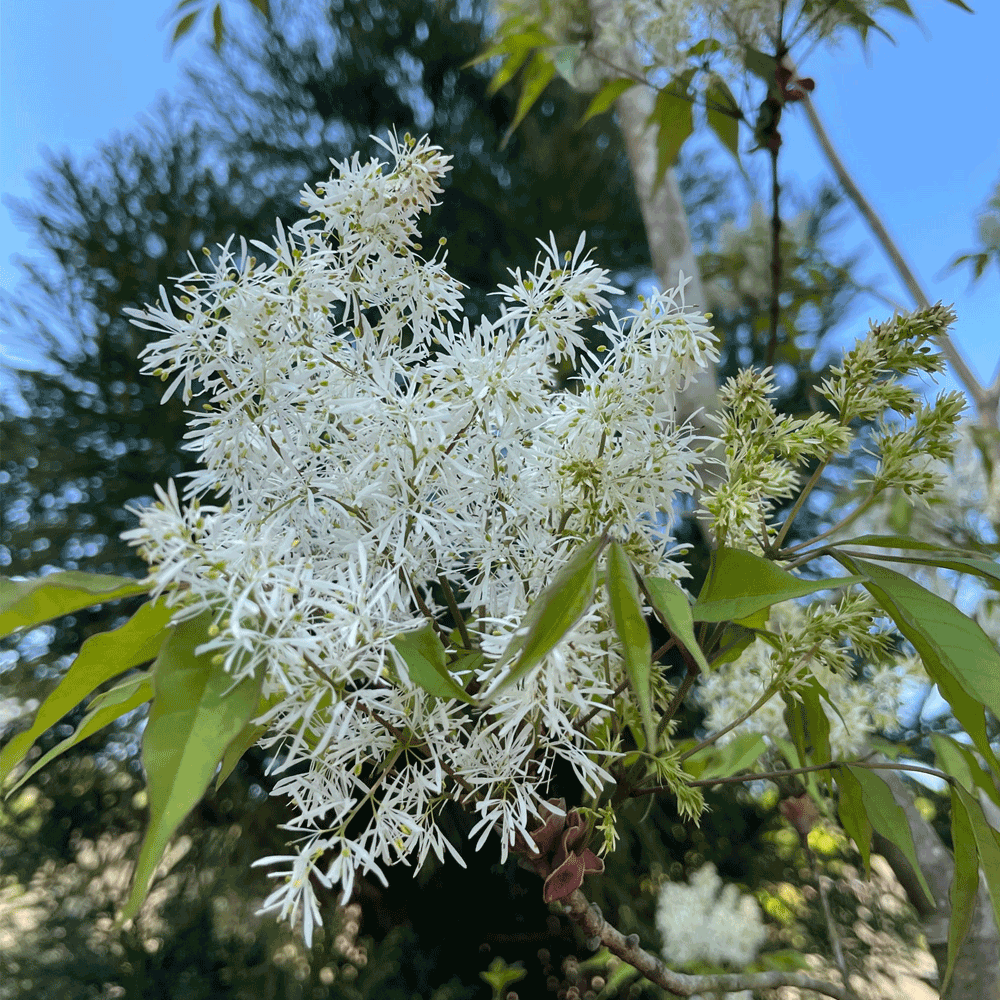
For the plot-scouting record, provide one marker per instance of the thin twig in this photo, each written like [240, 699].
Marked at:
[736, 779]
[768, 694]
[679, 695]
[806, 490]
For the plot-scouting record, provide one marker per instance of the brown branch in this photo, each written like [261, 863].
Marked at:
[598, 931]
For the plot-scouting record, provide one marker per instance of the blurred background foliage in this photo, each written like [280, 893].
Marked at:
[85, 436]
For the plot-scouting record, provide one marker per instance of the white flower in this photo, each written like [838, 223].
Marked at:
[700, 923]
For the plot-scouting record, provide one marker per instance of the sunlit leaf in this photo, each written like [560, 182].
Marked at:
[197, 712]
[102, 657]
[723, 114]
[740, 583]
[537, 76]
[674, 117]
[507, 71]
[853, 817]
[887, 816]
[556, 610]
[637, 648]
[521, 41]
[925, 554]
[606, 97]
[947, 641]
[807, 722]
[27, 603]
[715, 761]
[673, 608]
[248, 737]
[965, 883]
[101, 712]
[958, 760]
[988, 844]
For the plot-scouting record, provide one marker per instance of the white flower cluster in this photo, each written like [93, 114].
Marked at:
[383, 471]
[820, 640]
[704, 922]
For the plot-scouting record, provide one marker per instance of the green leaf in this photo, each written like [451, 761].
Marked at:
[965, 7]
[958, 760]
[965, 883]
[988, 845]
[948, 642]
[102, 711]
[537, 77]
[796, 760]
[888, 817]
[558, 608]
[101, 657]
[218, 29]
[264, 6]
[566, 58]
[807, 722]
[507, 71]
[673, 608]
[860, 19]
[605, 97]
[502, 976]
[723, 114]
[674, 114]
[705, 46]
[184, 26]
[197, 712]
[715, 761]
[731, 645]
[902, 6]
[933, 555]
[740, 583]
[247, 738]
[853, 818]
[427, 663]
[637, 647]
[900, 513]
[521, 41]
[27, 603]
[761, 65]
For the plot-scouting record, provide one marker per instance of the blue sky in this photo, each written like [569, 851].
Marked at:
[916, 123]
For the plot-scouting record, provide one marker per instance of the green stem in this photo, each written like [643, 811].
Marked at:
[806, 490]
[842, 523]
